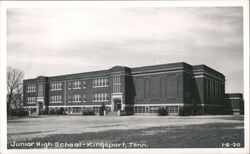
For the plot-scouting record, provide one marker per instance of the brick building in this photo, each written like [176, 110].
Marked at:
[233, 103]
[198, 89]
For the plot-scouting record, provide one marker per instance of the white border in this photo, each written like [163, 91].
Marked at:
[111, 4]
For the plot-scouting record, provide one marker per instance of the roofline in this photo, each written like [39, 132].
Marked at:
[205, 67]
[133, 70]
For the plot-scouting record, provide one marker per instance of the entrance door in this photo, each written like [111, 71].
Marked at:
[40, 107]
[117, 103]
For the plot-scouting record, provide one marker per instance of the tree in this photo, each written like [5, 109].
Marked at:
[14, 86]
[18, 98]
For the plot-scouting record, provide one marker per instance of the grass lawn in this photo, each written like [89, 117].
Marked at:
[126, 132]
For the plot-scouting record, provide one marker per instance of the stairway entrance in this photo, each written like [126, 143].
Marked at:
[117, 104]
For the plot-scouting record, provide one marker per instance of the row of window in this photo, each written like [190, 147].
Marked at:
[117, 79]
[77, 98]
[56, 99]
[31, 88]
[116, 88]
[77, 84]
[138, 109]
[97, 97]
[31, 100]
[56, 86]
[80, 109]
[116, 84]
[154, 109]
[214, 91]
[100, 97]
[100, 82]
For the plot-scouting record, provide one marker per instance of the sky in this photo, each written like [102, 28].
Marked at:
[50, 41]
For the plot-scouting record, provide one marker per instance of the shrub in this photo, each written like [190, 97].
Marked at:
[56, 111]
[185, 111]
[19, 112]
[43, 112]
[88, 112]
[61, 111]
[129, 110]
[52, 111]
[162, 112]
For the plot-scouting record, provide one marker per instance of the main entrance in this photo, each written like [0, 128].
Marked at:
[39, 107]
[117, 104]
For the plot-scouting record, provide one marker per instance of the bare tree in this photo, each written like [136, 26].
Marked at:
[14, 85]
[18, 98]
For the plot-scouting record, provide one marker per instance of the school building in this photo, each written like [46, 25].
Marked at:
[175, 86]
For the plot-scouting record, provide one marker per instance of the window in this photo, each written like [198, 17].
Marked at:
[77, 98]
[31, 100]
[83, 84]
[153, 109]
[100, 82]
[106, 96]
[116, 84]
[56, 99]
[140, 109]
[69, 85]
[69, 98]
[84, 98]
[76, 85]
[219, 93]
[56, 86]
[31, 88]
[100, 97]
[211, 91]
[172, 109]
[77, 110]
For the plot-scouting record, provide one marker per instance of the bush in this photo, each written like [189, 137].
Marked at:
[162, 112]
[61, 111]
[185, 111]
[19, 112]
[129, 110]
[56, 111]
[43, 112]
[52, 111]
[88, 112]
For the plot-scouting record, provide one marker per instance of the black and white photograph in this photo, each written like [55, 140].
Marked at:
[131, 77]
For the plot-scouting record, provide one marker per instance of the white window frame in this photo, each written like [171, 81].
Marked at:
[117, 84]
[31, 100]
[100, 97]
[69, 85]
[84, 98]
[100, 82]
[84, 84]
[56, 99]
[56, 86]
[31, 88]
[77, 84]
[76, 98]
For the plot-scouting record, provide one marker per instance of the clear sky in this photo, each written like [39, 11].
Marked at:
[61, 41]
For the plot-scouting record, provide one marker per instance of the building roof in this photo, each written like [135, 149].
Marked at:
[230, 95]
[161, 67]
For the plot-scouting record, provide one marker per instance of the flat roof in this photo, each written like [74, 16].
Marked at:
[178, 65]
